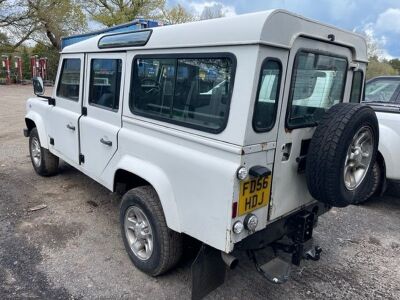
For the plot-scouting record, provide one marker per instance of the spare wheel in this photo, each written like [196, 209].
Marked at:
[342, 153]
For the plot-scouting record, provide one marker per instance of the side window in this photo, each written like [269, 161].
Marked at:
[69, 82]
[356, 86]
[382, 89]
[318, 82]
[105, 83]
[267, 97]
[193, 92]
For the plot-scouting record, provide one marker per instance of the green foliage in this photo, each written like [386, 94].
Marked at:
[379, 68]
[53, 57]
[113, 12]
[176, 15]
[25, 56]
[395, 63]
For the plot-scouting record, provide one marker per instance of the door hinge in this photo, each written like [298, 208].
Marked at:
[84, 110]
[81, 158]
[51, 141]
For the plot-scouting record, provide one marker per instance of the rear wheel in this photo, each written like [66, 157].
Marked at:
[374, 183]
[151, 245]
[342, 154]
[43, 161]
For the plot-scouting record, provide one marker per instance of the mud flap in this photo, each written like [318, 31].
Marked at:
[208, 272]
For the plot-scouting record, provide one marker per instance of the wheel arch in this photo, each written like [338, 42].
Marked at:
[133, 172]
[382, 165]
[32, 120]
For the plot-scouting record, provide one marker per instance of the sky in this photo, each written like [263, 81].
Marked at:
[379, 19]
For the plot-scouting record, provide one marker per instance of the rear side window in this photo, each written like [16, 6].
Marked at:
[318, 82]
[69, 82]
[105, 82]
[356, 86]
[267, 96]
[193, 92]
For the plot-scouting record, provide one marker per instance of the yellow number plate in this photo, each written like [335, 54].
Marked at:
[254, 193]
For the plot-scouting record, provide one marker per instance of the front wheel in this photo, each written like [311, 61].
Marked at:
[43, 161]
[151, 245]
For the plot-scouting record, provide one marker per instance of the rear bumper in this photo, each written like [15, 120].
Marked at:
[280, 228]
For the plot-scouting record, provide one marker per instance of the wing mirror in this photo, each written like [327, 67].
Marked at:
[38, 89]
[38, 86]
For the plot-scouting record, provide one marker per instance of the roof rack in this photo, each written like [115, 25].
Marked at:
[137, 24]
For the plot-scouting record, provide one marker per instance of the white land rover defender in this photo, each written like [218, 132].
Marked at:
[238, 132]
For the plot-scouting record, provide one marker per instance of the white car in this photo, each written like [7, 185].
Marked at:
[383, 94]
[210, 129]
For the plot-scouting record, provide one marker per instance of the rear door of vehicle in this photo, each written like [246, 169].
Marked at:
[318, 76]
[103, 104]
[62, 123]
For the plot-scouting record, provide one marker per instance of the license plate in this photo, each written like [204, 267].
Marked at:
[254, 193]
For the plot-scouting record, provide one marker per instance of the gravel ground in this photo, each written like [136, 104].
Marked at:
[72, 249]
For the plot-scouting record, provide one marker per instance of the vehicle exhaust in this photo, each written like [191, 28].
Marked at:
[229, 260]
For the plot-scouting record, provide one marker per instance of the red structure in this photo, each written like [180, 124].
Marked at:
[43, 67]
[18, 68]
[34, 66]
[39, 67]
[5, 65]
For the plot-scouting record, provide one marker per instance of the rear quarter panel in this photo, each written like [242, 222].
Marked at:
[193, 176]
[389, 142]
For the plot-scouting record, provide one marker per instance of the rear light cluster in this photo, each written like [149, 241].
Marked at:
[250, 224]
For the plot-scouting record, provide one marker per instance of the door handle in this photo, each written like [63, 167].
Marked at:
[69, 126]
[105, 142]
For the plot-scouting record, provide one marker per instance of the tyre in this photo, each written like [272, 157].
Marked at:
[342, 154]
[151, 245]
[43, 161]
[374, 182]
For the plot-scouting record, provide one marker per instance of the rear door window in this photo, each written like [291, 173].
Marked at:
[267, 97]
[318, 83]
[105, 83]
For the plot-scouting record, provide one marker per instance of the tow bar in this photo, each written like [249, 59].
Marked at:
[277, 270]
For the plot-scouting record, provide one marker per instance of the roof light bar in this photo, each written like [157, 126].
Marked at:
[125, 39]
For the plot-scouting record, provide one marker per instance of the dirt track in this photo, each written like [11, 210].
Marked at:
[73, 248]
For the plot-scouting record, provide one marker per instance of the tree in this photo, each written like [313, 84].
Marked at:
[378, 68]
[212, 12]
[44, 21]
[395, 63]
[25, 56]
[176, 15]
[114, 12]
[52, 56]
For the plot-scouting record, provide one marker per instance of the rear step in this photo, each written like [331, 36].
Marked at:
[278, 270]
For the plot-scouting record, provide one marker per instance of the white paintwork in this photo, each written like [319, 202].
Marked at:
[99, 124]
[65, 113]
[389, 142]
[194, 172]
[277, 27]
